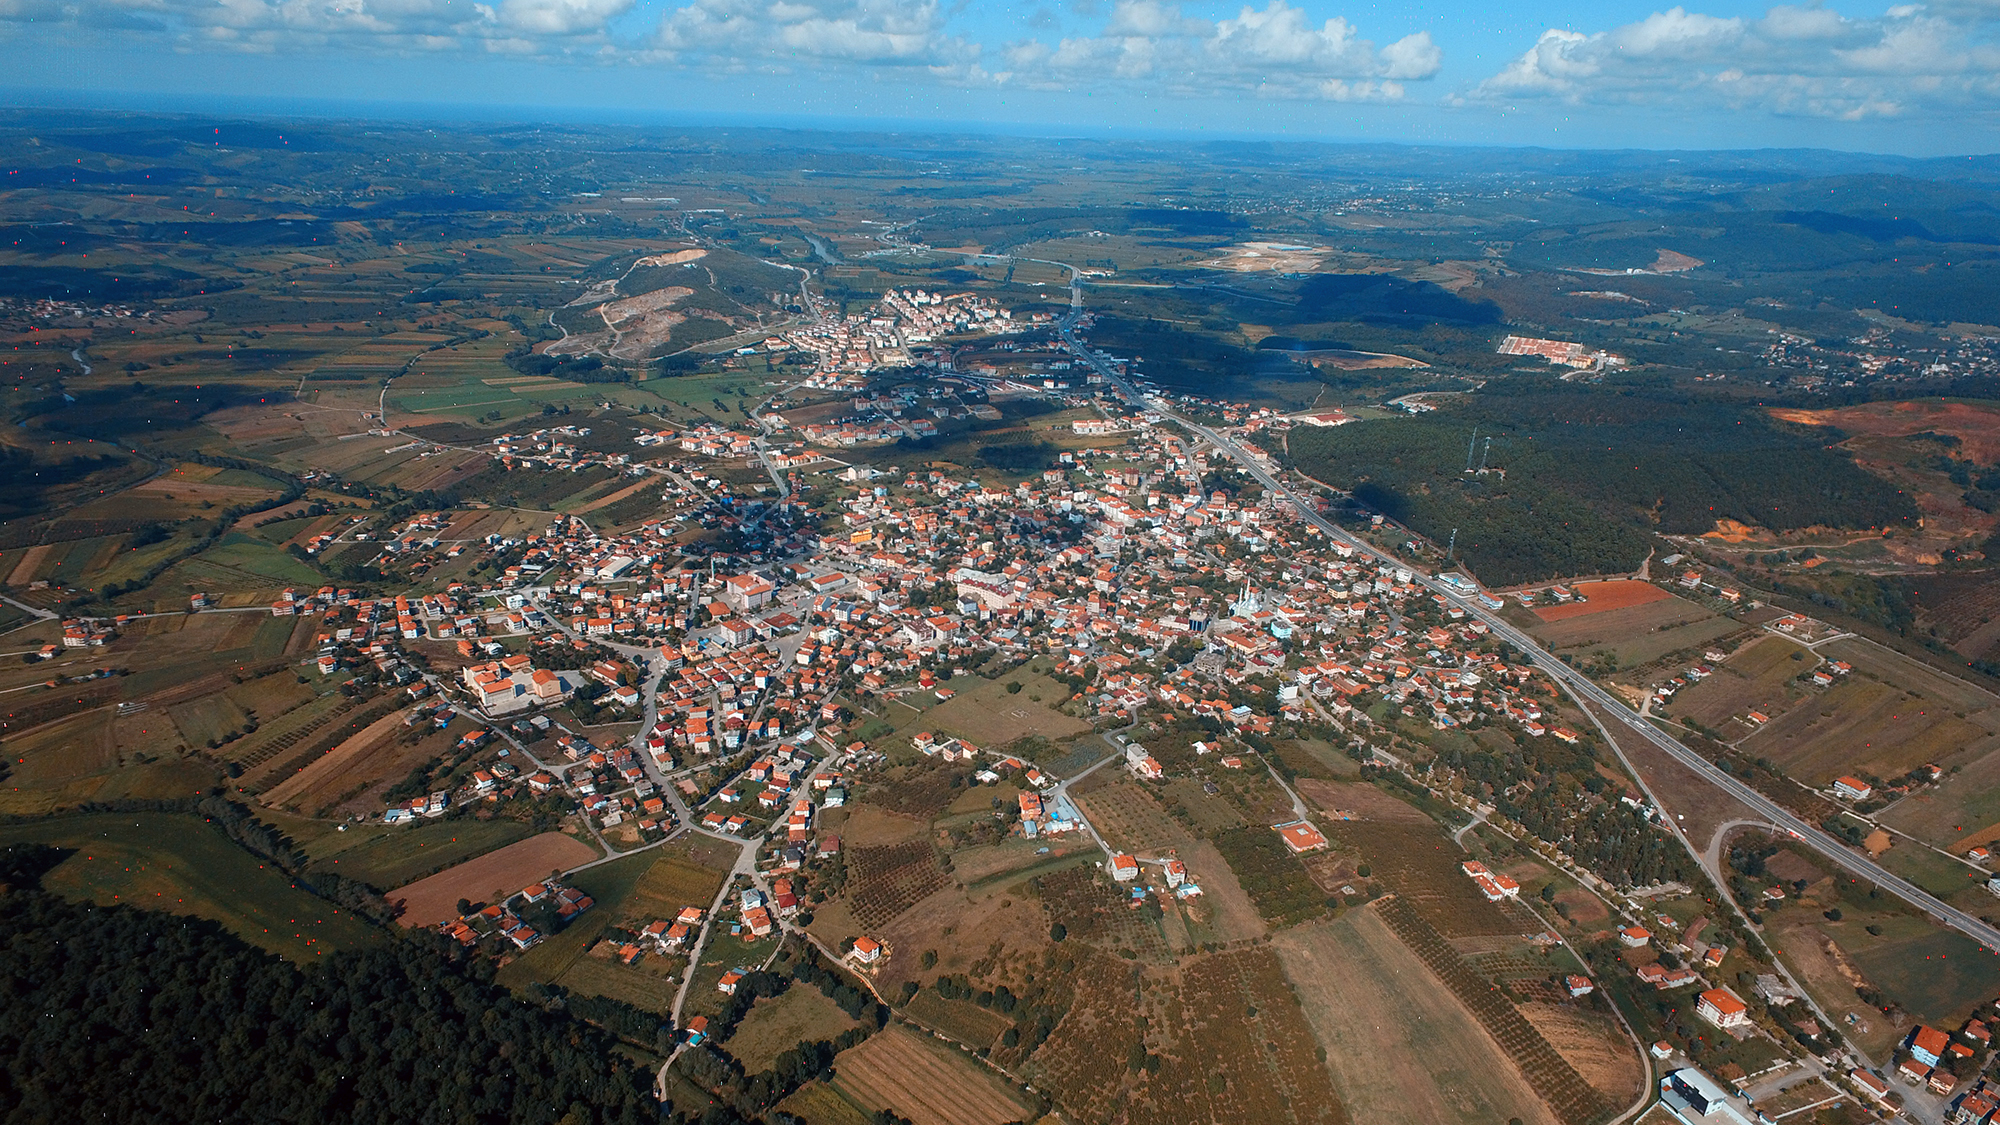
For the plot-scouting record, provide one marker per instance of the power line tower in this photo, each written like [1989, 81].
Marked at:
[1451, 546]
[1483, 451]
[1470, 448]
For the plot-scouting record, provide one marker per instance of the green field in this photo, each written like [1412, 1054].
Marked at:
[245, 562]
[391, 856]
[1937, 976]
[177, 864]
[610, 884]
[629, 892]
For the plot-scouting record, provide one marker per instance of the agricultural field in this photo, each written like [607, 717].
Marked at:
[1861, 725]
[180, 865]
[1277, 881]
[925, 1081]
[489, 878]
[985, 714]
[1635, 634]
[1085, 1064]
[883, 882]
[1552, 1077]
[1756, 677]
[1415, 861]
[1241, 1051]
[394, 855]
[822, 1103]
[369, 759]
[1127, 816]
[777, 1024]
[1399, 1046]
[1593, 1043]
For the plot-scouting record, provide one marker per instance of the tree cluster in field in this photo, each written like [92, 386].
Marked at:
[121, 1014]
[747, 1096]
[1555, 792]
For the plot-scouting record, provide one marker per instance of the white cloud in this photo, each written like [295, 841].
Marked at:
[1794, 60]
[1276, 51]
[1787, 22]
[560, 17]
[901, 32]
[1151, 48]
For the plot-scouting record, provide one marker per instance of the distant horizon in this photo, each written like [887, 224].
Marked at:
[25, 101]
[1874, 77]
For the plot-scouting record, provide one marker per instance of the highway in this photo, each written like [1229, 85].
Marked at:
[1582, 685]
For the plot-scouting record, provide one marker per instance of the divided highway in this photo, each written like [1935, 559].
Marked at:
[1576, 681]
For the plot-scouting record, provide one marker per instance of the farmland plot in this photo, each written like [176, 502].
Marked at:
[1865, 726]
[889, 880]
[925, 1081]
[1241, 1053]
[1131, 819]
[1399, 1047]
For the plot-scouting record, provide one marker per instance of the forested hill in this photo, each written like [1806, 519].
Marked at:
[1581, 477]
[171, 1019]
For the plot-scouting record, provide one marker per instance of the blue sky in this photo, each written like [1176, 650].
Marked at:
[1922, 79]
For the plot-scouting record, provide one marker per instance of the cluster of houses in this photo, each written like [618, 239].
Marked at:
[1047, 816]
[503, 919]
[1494, 885]
[1174, 879]
[886, 335]
[1932, 1058]
[80, 632]
[513, 683]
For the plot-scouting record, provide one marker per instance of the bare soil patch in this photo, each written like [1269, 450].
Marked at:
[1619, 625]
[1598, 597]
[1358, 801]
[1976, 427]
[1593, 1043]
[489, 878]
[869, 826]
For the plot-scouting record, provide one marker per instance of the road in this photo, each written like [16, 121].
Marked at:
[1575, 682]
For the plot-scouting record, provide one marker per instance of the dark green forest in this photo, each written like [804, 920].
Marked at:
[1578, 480]
[117, 1014]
